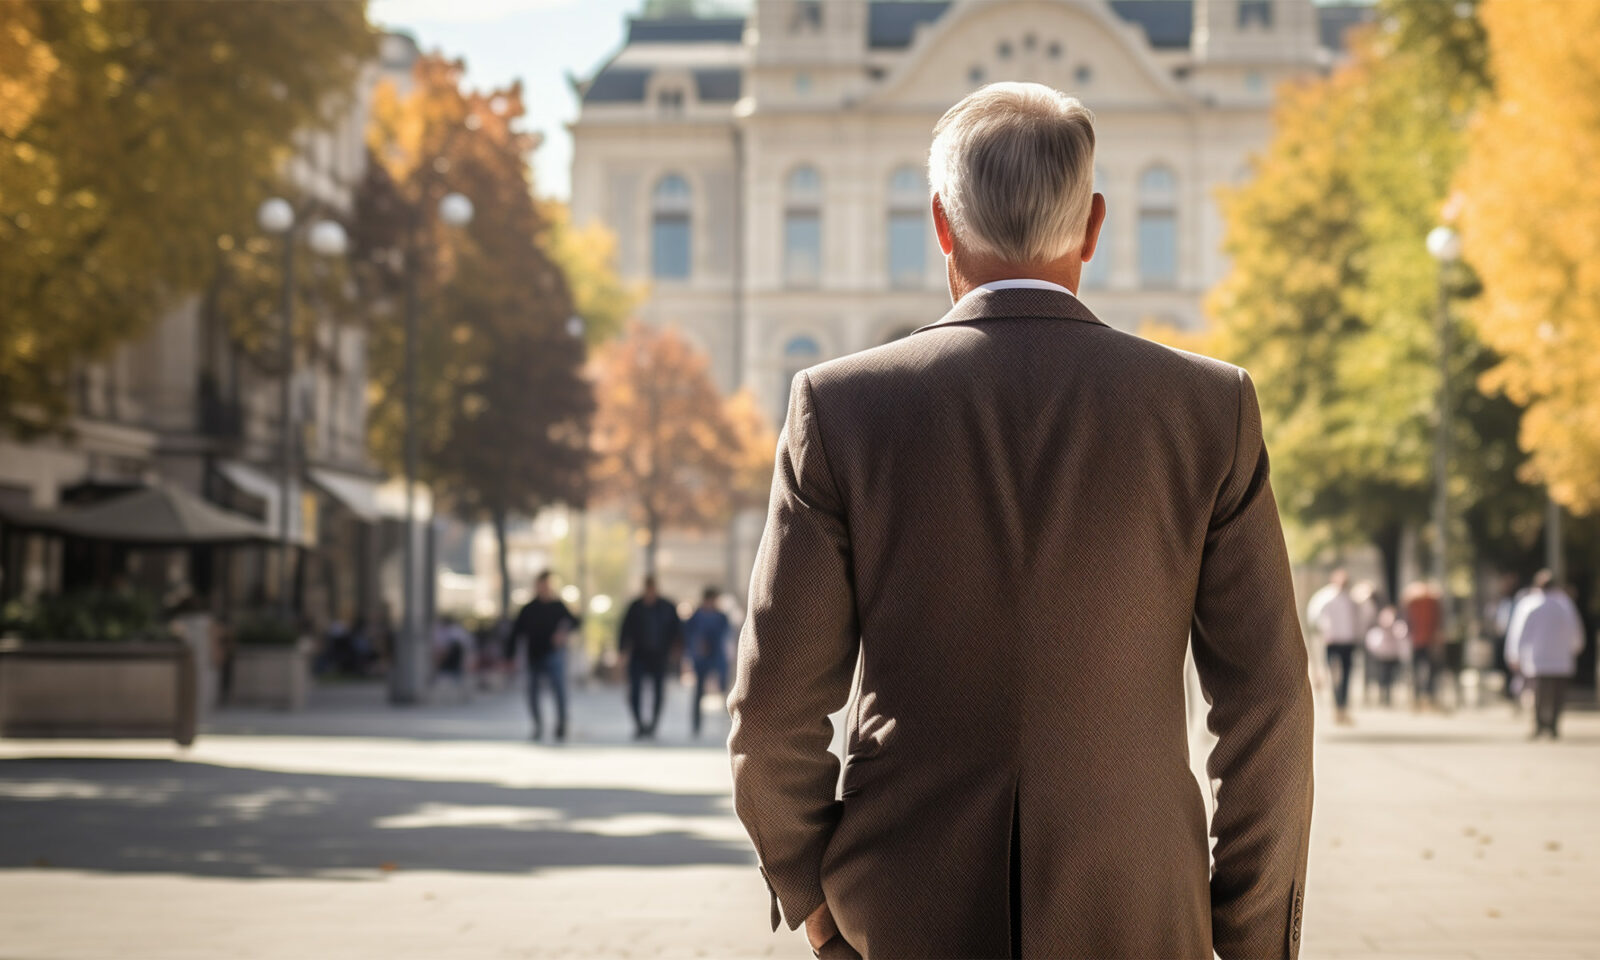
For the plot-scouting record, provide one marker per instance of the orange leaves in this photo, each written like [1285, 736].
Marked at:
[1531, 227]
[665, 443]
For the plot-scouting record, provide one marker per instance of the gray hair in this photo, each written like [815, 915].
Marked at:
[1013, 166]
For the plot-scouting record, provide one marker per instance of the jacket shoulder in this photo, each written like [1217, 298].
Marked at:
[1152, 366]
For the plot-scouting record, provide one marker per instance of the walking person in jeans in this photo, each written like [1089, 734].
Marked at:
[705, 635]
[542, 627]
[1339, 622]
[1542, 645]
[1424, 611]
[651, 631]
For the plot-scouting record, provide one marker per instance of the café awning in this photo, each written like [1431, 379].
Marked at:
[154, 516]
[257, 483]
[355, 493]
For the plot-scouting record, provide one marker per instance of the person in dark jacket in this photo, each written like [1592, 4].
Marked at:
[705, 636]
[542, 628]
[650, 635]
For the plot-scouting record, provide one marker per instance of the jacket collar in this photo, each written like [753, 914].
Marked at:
[1014, 304]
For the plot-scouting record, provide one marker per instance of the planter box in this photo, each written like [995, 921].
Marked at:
[97, 690]
[275, 677]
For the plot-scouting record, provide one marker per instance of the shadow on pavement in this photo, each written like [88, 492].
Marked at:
[164, 816]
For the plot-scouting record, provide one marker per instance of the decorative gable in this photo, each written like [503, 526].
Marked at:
[1081, 48]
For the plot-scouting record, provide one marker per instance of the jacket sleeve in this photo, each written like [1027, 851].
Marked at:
[513, 636]
[626, 631]
[1252, 664]
[796, 657]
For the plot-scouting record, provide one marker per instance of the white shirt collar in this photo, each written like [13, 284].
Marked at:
[1020, 283]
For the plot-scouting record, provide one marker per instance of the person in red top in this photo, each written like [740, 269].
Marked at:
[1424, 612]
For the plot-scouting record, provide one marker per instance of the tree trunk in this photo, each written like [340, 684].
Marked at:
[1387, 540]
[653, 532]
[505, 562]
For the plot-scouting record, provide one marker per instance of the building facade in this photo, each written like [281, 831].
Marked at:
[765, 175]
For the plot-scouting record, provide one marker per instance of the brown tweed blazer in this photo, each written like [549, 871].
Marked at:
[1013, 523]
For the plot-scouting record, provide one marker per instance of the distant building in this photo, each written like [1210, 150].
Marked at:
[766, 175]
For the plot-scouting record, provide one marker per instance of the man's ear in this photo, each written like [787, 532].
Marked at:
[1097, 219]
[941, 226]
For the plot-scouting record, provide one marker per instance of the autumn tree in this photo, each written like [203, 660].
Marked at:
[664, 444]
[1332, 296]
[134, 135]
[504, 411]
[1532, 226]
[587, 256]
[755, 447]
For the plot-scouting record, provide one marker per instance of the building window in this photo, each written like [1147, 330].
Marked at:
[802, 83]
[802, 227]
[1158, 227]
[975, 75]
[669, 228]
[1097, 272]
[1254, 82]
[1003, 51]
[670, 101]
[799, 353]
[1255, 12]
[807, 17]
[1053, 51]
[1084, 74]
[908, 227]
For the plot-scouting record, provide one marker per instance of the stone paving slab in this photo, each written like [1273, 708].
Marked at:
[355, 830]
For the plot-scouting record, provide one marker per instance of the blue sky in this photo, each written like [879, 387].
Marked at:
[540, 41]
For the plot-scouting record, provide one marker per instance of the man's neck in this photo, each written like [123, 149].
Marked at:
[966, 276]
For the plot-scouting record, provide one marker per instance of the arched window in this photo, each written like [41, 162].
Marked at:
[908, 227]
[1097, 272]
[1158, 227]
[802, 227]
[799, 352]
[670, 248]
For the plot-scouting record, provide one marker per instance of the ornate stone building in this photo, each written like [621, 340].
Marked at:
[765, 175]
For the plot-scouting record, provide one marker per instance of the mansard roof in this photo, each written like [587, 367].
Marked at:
[685, 29]
[891, 25]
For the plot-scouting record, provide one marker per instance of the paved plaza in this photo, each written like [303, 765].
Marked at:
[357, 830]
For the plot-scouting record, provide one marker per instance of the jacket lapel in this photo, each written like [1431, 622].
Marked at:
[1014, 304]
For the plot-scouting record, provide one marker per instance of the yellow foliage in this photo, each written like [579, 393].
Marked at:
[1531, 228]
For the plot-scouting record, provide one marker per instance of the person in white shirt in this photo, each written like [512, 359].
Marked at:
[1338, 619]
[1386, 643]
[1542, 645]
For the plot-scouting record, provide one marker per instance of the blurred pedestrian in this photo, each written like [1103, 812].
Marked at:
[1386, 640]
[1367, 597]
[1338, 620]
[1542, 645]
[651, 632]
[451, 647]
[1423, 614]
[705, 636]
[1497, 619]
[542, 630]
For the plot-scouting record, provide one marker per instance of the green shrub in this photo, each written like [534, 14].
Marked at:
[100, 616]
[265, 630]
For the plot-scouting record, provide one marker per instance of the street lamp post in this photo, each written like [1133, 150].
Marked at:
[575, 329]
[405, 686]
[1445, 246]
[327, 238]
